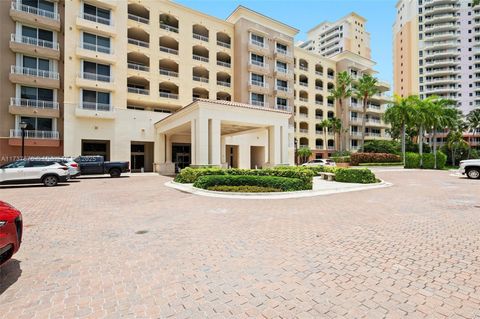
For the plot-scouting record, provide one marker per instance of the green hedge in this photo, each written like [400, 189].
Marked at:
[283, 183]
[341, 159]
[362, 176]
[244, 189]
[359, 158]
[412, 160]
[381, 164]
[190, 175]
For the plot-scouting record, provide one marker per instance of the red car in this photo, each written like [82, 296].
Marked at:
[11, 228]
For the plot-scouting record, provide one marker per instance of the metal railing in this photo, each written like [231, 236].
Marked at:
[258, 63]
[37, 104]
[303, 99]
[53, 135]
[138, 91]
[200, 58]
[285, 108]
[97, 19]
[259, 103]
[140, 43]
[96, 48]
[303, 130]
[139, 67]
[168, 50]
[225, 64]
[303, 67]
[283, 52]
[15, 69]
[34, 41]
[283, 88]
[258, 43]
[18, 6]
[224, 44]
[200, 79]
[134, 17]
[95, 77]
[95, 106]
[303, 83]
[224, 83]
[168, 73]
[259, 83]
[319, 73]
[320, 88]
[200, 37]
[168, 27]
[169, 95]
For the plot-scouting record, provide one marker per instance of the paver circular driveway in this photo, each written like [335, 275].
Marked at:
[130, 247]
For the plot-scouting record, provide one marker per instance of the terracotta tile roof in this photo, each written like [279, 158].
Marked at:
[237, 104]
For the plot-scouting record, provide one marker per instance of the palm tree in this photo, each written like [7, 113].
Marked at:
[365, 89]
[399, 115]
[340, 92]
[336, 125]
[475, 3]
[473, 122]
[304, 153]
[454, 141]
[420, 119]
[325, 125]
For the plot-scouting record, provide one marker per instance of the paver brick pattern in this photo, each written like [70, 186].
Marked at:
[132, 248]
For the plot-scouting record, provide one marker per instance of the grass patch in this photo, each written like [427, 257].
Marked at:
[243, 189]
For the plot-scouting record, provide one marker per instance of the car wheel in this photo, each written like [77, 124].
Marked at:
[473, 173]
[50, 180]
[115, 172]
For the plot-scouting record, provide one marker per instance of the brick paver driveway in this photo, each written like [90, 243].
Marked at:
[130, 247]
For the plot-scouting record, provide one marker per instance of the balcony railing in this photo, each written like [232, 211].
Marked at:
[200, 37]
[95, 106]
[286, 108]
[260, 64]
[52, 135]
[303, 83]
[200, 79]
[259, 83]
[18, 6]
[34, 41]
[96, 48]
[96, 77]
[224, 83]
[283, 52]
[303, 67]
[169, 95]
[37, 104]
[224, 64]
[139, 67]
[138, 91]
[140, 43]
[303, 99]
[200, 58]
[320, 88]
[15, 69]
[224, 44]
[303, 130]
[283, 88]
[168, 27]
[319, 73]
[168, 50]
[168, 73]
[97, 19]
[259, 103]
[134, 17]
[258, 43]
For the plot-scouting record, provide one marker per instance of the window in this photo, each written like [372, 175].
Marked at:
[33, 93]
[282, 48]
[282, 103]
[36, 63]
[96, 43]
[282, 84]
[257, 59]
[96, 14]
[95, 71]
[38, 123]
[257, 99]
[39, 34]
[257, 79]
[258, 40]
[16, 164]
[282, 66]
[95, 98]
[40, 4]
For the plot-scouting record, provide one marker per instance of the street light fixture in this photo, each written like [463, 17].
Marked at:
[23, 126]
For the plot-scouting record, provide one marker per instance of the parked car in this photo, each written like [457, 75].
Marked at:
[93, 165]
[320, 162]
[73, 167]
[11, 229]
[471, 168]
[27, 171]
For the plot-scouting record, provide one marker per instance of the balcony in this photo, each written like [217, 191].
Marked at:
[259, 47]
[95, 110]
[282, 54]
[34, 16]
[138, 67]
[138, 19]
[34, 46]
[34, 138]
[259, 103]
[283, 89]
[168, 73]
[173, 96]
[139, 43]
[96, 52]
[27, 107]
[200, 37]
[224, 44]
[223, 83]
[135, 90]
[258, 86]
[168, 50]
[285, 108]
[28, 76]
[200, 58]
[257, 66]
[283, 73]
[200, 79]
[95, 81]
[168, 28]
[95, 24]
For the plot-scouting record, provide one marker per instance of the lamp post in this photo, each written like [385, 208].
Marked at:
[23, 126]
[295, 143]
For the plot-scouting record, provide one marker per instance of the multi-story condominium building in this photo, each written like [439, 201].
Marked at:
[436, 51]
[159, 84]
[347, 34]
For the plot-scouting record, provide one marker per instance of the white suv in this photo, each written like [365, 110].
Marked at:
[27, 171]
[320, 162]
[471, 168]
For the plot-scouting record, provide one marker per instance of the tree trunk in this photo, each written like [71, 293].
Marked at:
[403, 143]
[342, 111]
[435, 147]
[453, 155]
[420, 145]
[365, 101]
[470, 143]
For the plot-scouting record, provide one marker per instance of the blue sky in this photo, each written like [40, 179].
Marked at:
[305, 14]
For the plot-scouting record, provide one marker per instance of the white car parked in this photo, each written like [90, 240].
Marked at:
[73, 167]
[471, 168]
[320, 162]
[27, 171]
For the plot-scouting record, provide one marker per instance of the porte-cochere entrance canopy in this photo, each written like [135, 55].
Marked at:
[223, 134]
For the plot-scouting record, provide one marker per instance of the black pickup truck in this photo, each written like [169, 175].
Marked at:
[93, 165]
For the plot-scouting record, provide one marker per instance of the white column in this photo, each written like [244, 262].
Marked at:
[193, 142]
[202, 141]
[274, 147]
[168, 151]
[215, 142]
[159, 155]
[285, 143]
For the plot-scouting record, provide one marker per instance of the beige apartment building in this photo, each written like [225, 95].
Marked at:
[161, 85]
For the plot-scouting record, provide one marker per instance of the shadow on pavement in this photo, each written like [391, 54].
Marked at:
[9, 274]
[99, 177]
[31, 186]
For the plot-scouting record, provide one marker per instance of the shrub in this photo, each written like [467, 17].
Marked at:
[358, 158]
[377, 146]
[413, 160]
[341, 159]
[362, 176]
[190, 175]
[244, 189]
[283, 183]
[341, 153]
[381, 164]
[325, 169]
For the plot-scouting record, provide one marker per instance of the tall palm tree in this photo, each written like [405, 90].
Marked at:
[342, 91]
[399, 115]
[455, 141]
[473, 122]
[336, 125]
[365, 89]
[420, 119]
[325, 125]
